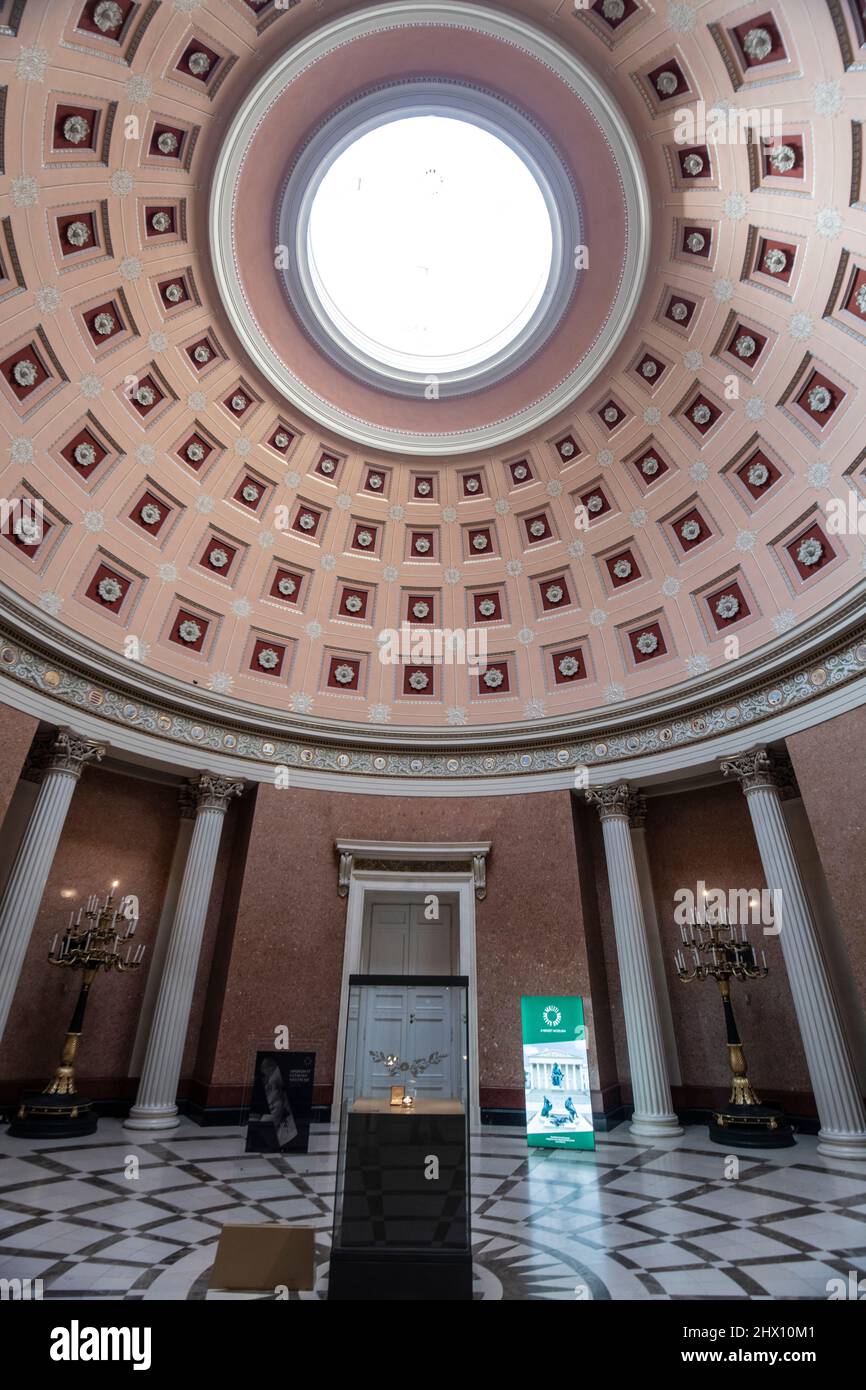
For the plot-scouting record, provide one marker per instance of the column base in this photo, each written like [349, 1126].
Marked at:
[842, 1145]
[655, 1126]
[165, 1117]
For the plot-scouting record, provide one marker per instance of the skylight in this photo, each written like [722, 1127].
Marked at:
[430, 243]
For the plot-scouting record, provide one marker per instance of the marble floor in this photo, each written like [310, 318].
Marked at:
[664, 1220]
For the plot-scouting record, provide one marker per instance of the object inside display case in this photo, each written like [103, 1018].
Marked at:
[401, 1217]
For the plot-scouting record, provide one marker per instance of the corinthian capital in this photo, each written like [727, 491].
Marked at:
[214, 793]
[611, 801]
[762, 769]
[64, 751]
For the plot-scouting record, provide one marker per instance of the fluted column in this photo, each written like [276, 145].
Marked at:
[59, 762]
[637, 821]
[831, 1069]
[156, 1103]
[651, 1091]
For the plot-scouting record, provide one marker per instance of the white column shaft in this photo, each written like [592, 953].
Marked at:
[27, 879]
[155, 1106]
[831, 1069]
[651, 1092]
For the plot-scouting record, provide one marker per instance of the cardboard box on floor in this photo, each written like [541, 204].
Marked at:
[265, 1257]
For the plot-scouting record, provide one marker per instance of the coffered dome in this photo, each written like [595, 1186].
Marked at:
[614, 423]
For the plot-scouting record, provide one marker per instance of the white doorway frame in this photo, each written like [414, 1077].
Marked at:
[362, 885]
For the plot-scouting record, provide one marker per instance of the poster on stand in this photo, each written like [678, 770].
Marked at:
[556, 1073]
[282, 1100]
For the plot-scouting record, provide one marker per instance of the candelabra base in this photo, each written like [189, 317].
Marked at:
[751, 1127]
[46, 1116]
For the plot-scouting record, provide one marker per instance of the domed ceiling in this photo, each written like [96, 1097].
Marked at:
[628, 496]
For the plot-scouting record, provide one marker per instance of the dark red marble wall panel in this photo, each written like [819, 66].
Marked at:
[830, 764]
[287, 954]
[18, 732]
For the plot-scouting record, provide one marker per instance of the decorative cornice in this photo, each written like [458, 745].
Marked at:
[613, 802]
[58, 664]
[214, 793]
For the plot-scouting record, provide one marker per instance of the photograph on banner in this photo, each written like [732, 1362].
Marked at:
[281, 1103]
[556, 1073]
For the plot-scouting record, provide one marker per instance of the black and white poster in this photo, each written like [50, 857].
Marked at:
[282, 1099]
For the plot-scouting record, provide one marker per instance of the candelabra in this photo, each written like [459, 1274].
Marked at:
[92, 945]
[717, 954]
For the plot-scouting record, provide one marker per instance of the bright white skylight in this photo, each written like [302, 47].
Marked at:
[430, 243]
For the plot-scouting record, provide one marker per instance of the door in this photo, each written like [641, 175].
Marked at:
[401, 939]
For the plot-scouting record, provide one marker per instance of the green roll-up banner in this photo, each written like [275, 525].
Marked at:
[555, 1072]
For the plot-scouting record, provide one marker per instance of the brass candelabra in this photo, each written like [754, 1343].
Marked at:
[92, 945]
[717, 954]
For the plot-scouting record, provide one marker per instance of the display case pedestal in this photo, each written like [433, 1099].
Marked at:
[403, 1226]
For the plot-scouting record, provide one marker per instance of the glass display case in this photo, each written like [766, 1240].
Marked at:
[401, 1211]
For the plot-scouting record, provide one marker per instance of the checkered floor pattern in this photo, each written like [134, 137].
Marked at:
[113, 1218]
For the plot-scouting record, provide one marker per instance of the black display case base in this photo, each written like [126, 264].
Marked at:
[393, 1275]
[751, 1127]
[53, 1117]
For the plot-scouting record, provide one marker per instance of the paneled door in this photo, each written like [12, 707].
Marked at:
[399, 939]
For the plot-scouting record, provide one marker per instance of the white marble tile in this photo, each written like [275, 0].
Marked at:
[826, 1231]
[737, 1202]
[59, 1195]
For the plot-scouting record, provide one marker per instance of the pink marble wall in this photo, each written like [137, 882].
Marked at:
[831, 771]
[287, 953]
[18, 732]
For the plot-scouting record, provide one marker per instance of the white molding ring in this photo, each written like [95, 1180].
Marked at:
[570, 69]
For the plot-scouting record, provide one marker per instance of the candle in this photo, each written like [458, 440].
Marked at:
[53, 945]
[763, 959]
